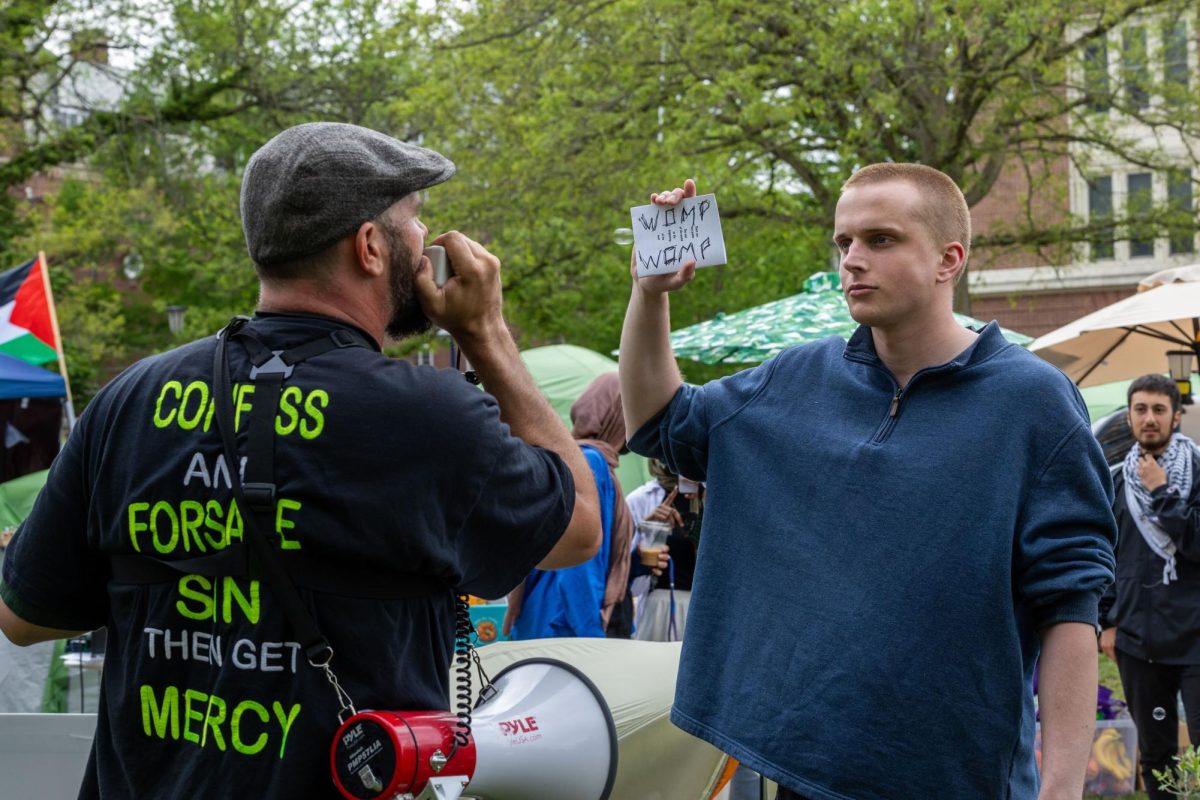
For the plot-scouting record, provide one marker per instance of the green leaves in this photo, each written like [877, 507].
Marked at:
[561, 116]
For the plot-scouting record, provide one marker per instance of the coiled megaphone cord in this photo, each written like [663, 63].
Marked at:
[463, 633]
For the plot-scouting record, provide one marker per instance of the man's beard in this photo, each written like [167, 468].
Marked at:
[1152, 440]
[408, 318]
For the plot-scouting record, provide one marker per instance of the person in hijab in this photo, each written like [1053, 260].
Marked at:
[580, 601]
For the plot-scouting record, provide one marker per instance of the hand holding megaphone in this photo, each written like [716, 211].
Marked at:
[468, 304]
[441, 266]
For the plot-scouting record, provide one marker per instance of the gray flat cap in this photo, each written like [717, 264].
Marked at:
[314, 183]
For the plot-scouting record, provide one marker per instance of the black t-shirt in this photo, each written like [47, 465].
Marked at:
[380, 466]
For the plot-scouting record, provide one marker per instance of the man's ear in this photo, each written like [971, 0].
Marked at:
[953, 262]
[370, 249]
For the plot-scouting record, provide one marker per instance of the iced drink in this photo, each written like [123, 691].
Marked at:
[654, 539]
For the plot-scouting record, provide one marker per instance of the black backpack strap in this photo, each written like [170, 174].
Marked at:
[256, 499]
[270, 369]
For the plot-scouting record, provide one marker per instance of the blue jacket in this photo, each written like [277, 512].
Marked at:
[568, 602]
[876, 565]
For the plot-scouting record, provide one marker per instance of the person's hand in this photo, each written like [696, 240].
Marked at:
[469, 304]
[1150, 473]
[516, 598]
[664, 559]
[666, 512]
[660, 284]
[1108, 643]
[510, 616]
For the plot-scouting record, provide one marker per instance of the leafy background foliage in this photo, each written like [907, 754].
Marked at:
[560, 115]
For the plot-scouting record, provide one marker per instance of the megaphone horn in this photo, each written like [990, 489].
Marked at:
[545, 733]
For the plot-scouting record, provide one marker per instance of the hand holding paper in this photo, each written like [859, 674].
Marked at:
[676, 230]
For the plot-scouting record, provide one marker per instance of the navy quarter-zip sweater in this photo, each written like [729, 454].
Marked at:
[876, 565]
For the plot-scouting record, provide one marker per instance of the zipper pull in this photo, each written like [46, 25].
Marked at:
[895, 403]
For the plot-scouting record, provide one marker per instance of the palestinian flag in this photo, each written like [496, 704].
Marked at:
[27, 325]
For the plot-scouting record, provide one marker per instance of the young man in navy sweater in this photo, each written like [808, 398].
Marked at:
[935, 504]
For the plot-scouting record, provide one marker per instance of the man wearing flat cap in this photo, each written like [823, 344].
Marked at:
[383, 490]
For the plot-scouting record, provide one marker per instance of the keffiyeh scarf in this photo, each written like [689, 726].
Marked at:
[1176, 461]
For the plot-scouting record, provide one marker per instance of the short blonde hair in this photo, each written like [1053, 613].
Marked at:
[943, 212]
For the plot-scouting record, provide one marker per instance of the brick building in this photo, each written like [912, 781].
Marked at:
[1035, 290]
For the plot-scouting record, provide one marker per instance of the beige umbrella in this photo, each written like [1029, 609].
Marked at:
[1133, 336]
[1188, 274]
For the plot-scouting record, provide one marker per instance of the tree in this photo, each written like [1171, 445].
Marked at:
[157, 172]
[563, 115]
[782, 101]
[553, 112]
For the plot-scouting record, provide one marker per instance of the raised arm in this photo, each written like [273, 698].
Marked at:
[469, 307]
[649, 376]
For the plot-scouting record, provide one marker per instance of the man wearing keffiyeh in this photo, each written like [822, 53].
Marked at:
[1153, 609]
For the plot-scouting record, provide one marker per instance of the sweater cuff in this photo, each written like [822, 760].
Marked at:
[1075, 607]
[645, 439]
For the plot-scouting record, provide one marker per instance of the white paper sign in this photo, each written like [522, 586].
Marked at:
[664, 237]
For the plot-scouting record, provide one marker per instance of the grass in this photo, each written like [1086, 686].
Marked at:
[1110, 677]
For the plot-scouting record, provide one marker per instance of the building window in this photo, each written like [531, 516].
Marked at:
[1175, 56]
[1136, 69]
[1100, 208]
[1183, 218]
[1138, 208]
[1095, 76]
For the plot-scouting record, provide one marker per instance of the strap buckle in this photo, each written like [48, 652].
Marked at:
[343, 338]
[274, 366]
[260, 496]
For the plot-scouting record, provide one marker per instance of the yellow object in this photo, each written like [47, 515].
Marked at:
[1109, 751]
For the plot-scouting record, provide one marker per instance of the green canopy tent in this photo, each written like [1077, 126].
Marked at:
[17, 496]
[759, 333]
[562, 372]
[32, 678]
[1105, 398]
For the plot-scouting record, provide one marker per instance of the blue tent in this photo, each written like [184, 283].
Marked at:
[22, 379]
